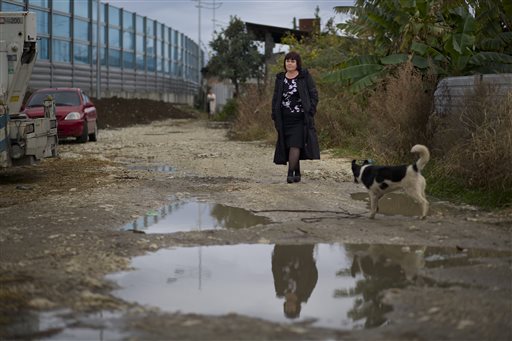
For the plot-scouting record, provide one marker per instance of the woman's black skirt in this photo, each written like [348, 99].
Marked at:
[293, 126]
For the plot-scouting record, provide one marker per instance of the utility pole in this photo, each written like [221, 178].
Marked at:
[213, 20]
[199, 42]
[214, 7]
[98, 51]
[207, 5]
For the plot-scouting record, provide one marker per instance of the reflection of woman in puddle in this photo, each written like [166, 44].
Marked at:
[295, 275]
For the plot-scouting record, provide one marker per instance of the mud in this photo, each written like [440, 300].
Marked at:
[60, 237]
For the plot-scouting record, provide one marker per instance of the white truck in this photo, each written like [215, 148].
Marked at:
[22, 140]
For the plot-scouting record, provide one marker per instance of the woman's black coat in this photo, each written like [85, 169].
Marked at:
[309, 98]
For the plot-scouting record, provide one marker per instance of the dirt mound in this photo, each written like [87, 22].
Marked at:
[118, 112]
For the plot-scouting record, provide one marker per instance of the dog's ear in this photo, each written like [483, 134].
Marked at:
[353, 162]
[366, 162]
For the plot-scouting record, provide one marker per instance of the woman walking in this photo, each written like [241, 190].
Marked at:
[293, 110]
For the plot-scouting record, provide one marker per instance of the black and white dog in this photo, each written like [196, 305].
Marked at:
[384, 179]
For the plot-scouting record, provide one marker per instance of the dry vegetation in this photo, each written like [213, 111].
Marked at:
[253, 118]
[399, 111]
[481, 152]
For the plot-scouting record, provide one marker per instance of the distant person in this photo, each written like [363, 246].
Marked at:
[295, 276]
[293, 110]
[212, 103]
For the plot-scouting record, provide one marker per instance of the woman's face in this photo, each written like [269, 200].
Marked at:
[291, 65]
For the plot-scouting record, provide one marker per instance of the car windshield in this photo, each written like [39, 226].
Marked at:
[61, 98]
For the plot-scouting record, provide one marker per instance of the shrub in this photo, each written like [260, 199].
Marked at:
[228, 112]
[399, 111]
[481, 155]
[340, 121]
[253, 121]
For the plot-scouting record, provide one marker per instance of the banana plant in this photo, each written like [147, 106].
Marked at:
[427, 33]
[361, 72]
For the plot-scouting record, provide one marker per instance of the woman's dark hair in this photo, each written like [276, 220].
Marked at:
[293, 56]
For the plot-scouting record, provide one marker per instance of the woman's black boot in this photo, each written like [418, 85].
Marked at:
[296, 177]
[290, 177]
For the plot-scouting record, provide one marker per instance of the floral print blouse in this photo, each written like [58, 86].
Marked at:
[291, 101]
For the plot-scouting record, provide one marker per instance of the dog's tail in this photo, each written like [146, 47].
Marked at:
[424, 156]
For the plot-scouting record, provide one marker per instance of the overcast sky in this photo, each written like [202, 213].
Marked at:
[182, 15]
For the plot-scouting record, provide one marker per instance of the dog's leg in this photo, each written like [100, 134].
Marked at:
[425, 204]
[374, 204]
[418, 193]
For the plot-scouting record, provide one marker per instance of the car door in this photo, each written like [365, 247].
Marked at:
[90, 111]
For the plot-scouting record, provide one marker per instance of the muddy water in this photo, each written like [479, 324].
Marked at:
[54, 325]
[194, 216]
[329, 285]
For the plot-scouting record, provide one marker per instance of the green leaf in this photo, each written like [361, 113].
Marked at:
[483, 58]
[343, 9]
[456, 45]
[496, 42]
[379, 21]
[394, 59]
[465, 36]
[332, 77]
[358, 71]
[420, 62]
[365, 59]
[368, 80]
[418, 47]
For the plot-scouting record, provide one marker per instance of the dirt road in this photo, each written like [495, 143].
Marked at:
[60, 235]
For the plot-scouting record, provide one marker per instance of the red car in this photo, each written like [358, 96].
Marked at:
[76, 114]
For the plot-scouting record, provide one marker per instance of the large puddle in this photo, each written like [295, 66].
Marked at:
[330, 285]
[194, 216]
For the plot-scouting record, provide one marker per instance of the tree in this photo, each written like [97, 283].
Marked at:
[453, 37]
[236, 55]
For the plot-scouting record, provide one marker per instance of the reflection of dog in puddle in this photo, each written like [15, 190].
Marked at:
[380, 180]
[385, 261]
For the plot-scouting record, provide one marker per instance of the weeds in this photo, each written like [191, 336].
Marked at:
[479, 154]
[399, 111]
[253, 116]
[340, 120]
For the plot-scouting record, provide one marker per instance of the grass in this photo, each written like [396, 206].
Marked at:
[455, 191]
[348, 152]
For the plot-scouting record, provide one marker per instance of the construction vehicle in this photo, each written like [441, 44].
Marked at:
[22, 140]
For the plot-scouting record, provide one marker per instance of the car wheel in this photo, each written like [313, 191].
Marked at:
[94, 136]
[85, 134]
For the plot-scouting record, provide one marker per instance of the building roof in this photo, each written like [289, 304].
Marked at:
[276, 32]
